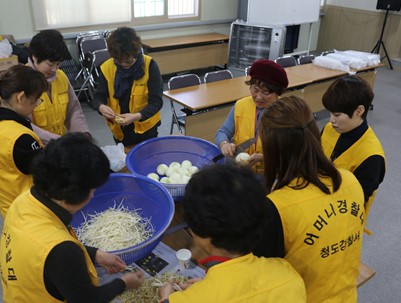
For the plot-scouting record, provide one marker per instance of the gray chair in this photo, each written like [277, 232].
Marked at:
[247, 70]
[175, 83]
[286, 61]
[218, 75]
[305, 59]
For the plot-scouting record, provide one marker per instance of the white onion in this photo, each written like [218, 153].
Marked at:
[153, 176]
[243, 158]
[186, 164]
[165, 180]
[161, 169]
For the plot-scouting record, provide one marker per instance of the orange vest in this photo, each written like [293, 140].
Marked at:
[30, 232]
[12, 181]
[245, 121]
[138, 101]
[323, 237]
[246, 279]
[51, 114]
[367, 146]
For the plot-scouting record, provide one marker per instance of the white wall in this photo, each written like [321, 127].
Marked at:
[16, 19]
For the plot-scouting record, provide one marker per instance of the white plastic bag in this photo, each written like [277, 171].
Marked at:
[116, 156]
[6, 49]
[331, 63]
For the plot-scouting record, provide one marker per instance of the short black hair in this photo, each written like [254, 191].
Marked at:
[123, 42]
[69, 167]
[345, 95]
[227, 204]
[49, 45]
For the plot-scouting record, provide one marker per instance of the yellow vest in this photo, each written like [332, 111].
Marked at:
[244, 120]
[30, 232]
[138, 101]
[51, 115]
[12, 181]
[323, 237]
[247, 279]
[367, 146]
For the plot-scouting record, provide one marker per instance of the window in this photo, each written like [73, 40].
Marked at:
[77, 13]
[147, 11]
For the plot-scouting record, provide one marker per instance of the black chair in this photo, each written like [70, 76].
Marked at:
[327, 52]
[92, 62]
[72, 69]
[305, 59]
[175, 83]
[218, 75]
[88, 42]
[286, 61]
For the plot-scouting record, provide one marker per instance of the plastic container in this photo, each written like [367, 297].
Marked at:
[148, 197]
[146, 156]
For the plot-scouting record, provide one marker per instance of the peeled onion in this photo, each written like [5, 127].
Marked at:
[243, 158]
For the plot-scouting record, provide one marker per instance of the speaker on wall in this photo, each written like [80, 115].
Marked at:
[391, 5]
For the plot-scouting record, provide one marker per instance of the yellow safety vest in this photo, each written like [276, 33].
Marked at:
[323, 237]
[30, 232]
[244, 121]
[138, 101]
[367, 146]
[12, 181]
[247, 279]
[51, 114]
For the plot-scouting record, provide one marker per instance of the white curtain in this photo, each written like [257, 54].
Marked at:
[75, 13]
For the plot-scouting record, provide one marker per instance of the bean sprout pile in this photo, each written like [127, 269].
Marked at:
[115, 228]
[148, 292]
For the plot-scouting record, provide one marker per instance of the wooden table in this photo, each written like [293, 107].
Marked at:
[208, 104]
[174, 54]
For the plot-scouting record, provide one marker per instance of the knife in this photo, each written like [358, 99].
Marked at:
[238, 149]
[244, 146]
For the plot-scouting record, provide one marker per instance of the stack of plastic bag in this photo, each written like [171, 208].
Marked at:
[348, 59]
[331, 63]
[369, 58]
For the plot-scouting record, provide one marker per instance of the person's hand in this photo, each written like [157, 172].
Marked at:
[255, 157]
[112, 263]
[107, 112]
[227, 149]
[166, 290]
[188, 283]
[129, 118]
[133, 279]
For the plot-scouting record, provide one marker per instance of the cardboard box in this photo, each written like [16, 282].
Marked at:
[6, 63]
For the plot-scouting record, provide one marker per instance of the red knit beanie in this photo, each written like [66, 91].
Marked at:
[270, 72]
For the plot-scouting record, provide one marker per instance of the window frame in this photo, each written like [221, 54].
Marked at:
[134, 21]
[165, 18]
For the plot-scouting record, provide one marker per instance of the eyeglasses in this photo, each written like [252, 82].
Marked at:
[256, 90]
[127, 61]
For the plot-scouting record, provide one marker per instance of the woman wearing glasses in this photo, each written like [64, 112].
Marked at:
[60, 111]
[268, 81]
[130, 88]
[20, 89]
